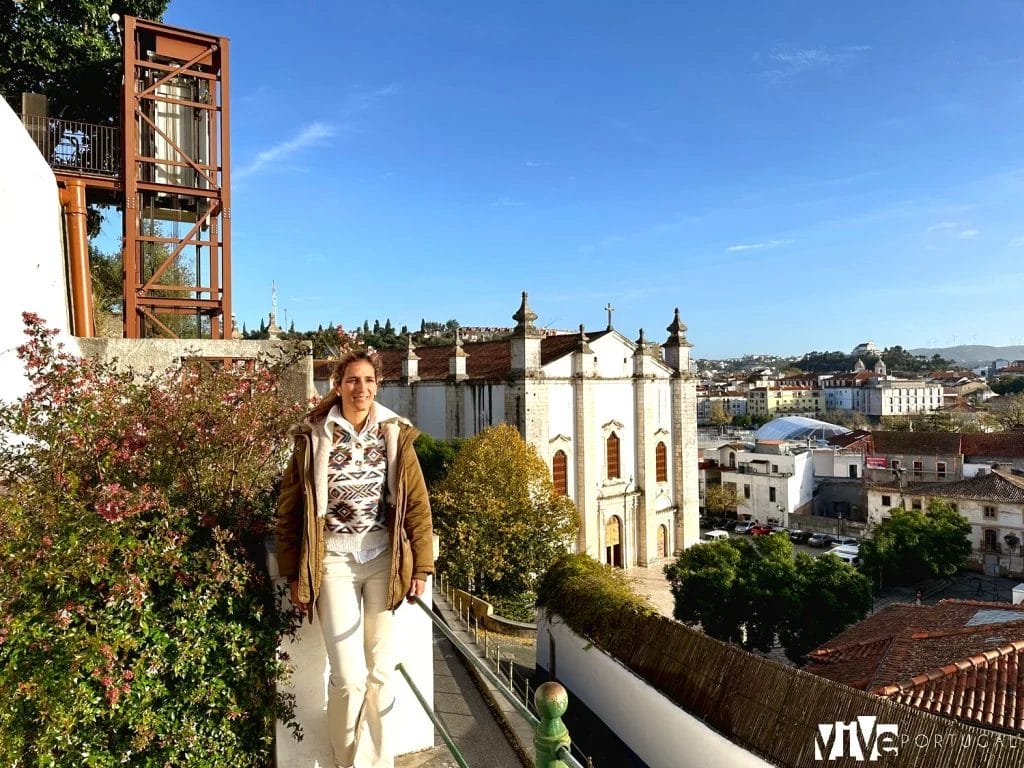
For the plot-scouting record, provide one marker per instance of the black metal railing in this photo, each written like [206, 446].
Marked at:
[70, 145]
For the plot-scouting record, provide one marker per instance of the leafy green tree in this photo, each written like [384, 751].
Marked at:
[831, 597]
[436, 457]
[718, 415]
[849, 419]
[897, 423]
[757, 593]
[917, 544]
[327, 343]
[701, 579]
[826, 362]
[766, 590]
[744, 421]
[1007, 385]
[107, 280]
[1007, 411]
[69, 51]
[720, 499]
[500, 522]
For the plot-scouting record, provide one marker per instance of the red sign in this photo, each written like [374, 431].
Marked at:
[876, 462]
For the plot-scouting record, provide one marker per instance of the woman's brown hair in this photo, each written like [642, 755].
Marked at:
[321, 409]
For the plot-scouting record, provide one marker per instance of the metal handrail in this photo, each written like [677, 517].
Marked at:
[448, 740]
[540, 727]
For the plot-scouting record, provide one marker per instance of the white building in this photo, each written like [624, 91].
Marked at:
[614, 419]
[733, 404]
[900, 397]
[992, 502]
[772, 481]
[34, 280]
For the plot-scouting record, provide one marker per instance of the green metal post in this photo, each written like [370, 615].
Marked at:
[551, 739]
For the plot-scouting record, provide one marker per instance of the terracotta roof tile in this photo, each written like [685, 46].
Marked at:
[996, 485]
[996, 445]
[958, 658]
[485, 360]
[918, 443]
[856, 439]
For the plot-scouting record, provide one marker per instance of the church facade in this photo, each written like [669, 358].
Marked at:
[615, 420]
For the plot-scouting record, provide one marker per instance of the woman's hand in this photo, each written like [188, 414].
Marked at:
[293, 586]
[415, 590]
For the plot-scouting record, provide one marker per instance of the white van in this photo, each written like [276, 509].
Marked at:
[714, 535]
[849, 555]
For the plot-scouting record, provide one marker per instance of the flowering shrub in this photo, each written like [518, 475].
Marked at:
[137, 622]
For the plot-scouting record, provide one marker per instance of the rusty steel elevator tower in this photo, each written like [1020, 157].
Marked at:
[176, 182]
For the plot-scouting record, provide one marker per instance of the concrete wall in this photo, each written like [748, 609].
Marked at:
[159, 354]
[413, 730]
[32, 251]
[658, 731]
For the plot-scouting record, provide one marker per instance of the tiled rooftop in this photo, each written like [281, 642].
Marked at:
[983, 446]
[996, 485]
[485, 360]
[959, 658]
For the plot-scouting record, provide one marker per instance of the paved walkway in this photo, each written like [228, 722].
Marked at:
[651, 583]
[466, 716]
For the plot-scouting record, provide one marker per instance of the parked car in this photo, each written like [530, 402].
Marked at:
[704, 522]
[728, 525]
[819, 540]
[714, 535]
[799, 537]
[760, 530]
[849, 555]
[845, 541]
[780, 529]
[744, 527]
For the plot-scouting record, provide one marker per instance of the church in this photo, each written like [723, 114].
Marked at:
[615, 420]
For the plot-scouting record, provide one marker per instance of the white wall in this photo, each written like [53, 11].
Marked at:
[33, 254]
[413, 730]
[656, 729]
[430, 410]
[561, 410]
[614, 358]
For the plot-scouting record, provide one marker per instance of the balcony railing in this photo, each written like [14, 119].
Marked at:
[72, 146]
[552, 745]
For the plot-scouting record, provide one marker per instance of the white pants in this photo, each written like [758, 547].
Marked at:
[357, 628]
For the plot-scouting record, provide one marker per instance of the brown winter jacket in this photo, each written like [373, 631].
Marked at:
[300, 529]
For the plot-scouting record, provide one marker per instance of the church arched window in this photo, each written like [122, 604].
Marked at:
[661, 463]
[612, 456]
[560, 473]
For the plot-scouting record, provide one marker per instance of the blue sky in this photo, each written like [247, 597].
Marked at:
[791, 175]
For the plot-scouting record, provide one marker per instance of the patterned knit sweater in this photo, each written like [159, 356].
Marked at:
[356, 479]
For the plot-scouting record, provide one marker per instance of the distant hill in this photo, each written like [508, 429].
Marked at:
[973, 354]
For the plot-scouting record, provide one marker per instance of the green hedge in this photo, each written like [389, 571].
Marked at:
[595, 600]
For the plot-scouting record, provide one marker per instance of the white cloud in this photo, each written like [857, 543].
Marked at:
[955, 229]
[757, 246]
[507, 202]
[784, 62]
[310, 136]
[1017, 242]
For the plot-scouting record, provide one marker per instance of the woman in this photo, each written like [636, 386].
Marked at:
[354, 538]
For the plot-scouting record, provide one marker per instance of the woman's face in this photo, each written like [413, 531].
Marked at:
[358, 387]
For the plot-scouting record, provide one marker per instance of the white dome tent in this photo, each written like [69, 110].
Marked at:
[798, 428]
